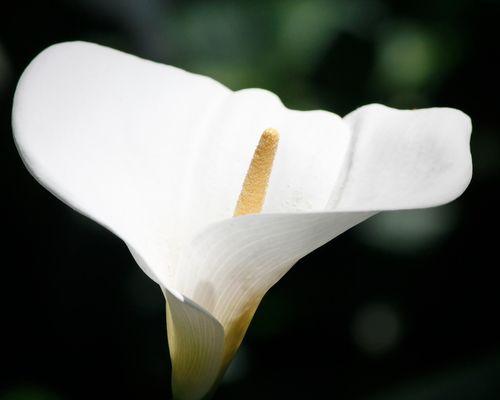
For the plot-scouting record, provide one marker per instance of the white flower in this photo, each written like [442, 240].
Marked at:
[158, 156]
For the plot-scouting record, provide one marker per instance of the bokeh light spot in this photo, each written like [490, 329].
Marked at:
[376, 328]
[409, 230]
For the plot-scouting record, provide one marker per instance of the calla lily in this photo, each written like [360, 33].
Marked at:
[158, 155]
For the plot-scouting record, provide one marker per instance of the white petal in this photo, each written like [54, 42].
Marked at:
[155, 153]
[424, 157]
[107, 133]
[402, 159]
[230, 265]
[421, 159]
[196, 343]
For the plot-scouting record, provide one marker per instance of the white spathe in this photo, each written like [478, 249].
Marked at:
[158, 156]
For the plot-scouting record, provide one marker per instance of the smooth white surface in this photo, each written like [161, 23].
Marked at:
[403, 159]
[158, 155]
[196, 344]
[230, 265]
[155, 153]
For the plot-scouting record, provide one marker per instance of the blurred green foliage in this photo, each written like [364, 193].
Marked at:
[28, 393]
[401, 308]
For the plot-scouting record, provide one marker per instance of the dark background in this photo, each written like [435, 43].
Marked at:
[403, 307]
